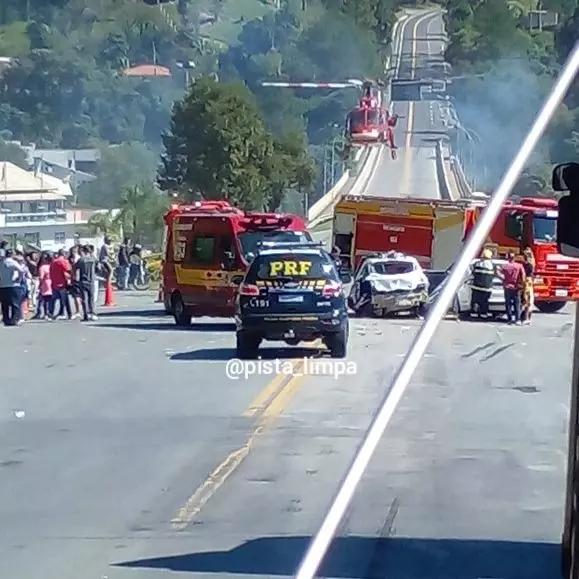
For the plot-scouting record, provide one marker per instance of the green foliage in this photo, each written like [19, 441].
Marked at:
[142, 209]
[516, 67]
[67, 88]
[14, 154]
[120, 168]
[218, 144]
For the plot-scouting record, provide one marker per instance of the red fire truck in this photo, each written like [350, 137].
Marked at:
[434, 231]
[206, 246]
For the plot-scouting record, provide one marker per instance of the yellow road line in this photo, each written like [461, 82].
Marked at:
[274, 398]
[264, 397]
[281, 401]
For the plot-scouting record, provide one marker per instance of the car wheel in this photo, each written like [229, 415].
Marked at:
[550, 307]
[247, 345]
[182, 318]
[338, 344]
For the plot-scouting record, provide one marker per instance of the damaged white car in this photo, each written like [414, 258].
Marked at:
[388, 283]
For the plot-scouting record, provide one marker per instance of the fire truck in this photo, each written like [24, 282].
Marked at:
[434, 232]
[208, 246]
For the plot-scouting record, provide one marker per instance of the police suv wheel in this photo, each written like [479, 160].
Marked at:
[338, 344]
[247, 346]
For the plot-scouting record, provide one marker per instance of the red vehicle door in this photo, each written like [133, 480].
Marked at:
[203, 275]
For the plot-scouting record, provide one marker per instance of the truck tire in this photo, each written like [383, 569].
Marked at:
[180, 315]
[550, 307]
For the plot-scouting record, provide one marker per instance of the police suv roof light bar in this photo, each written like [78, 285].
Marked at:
[290, 244]
[339, 505]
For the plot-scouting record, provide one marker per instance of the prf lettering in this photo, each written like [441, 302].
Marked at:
[289, 268]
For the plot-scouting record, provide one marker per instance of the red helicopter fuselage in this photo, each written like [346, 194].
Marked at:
[370, 123]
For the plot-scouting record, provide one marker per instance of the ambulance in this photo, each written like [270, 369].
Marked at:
[207, 246]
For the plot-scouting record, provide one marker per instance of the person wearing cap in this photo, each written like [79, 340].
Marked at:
[483, 273]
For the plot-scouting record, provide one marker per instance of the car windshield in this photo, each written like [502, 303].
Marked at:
[391, 267]
[357, 120]
[250, 239]
[544, 229]
[294, 266]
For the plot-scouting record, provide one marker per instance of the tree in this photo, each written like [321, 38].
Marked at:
[291, 168]
[217, 145]
[14, 154]
[142, 209]
[120, 168]
[105, 223]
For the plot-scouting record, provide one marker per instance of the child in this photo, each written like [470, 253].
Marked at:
[46, 301]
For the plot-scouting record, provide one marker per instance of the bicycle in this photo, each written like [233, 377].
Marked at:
[138, 283]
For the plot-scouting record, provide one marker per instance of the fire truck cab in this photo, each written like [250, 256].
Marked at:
[208, 246]
[532, 222]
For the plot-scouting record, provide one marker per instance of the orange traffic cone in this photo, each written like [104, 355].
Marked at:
[109, 296]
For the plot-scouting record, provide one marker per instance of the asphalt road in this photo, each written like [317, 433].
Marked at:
[121, 463]
[413, 173]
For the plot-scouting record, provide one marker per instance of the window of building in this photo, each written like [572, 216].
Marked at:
[60, 238]
[33, 238]
[203, 250]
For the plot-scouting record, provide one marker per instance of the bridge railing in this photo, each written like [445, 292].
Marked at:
[354, 181]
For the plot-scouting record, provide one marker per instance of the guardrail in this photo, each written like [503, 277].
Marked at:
[464, 188]
[332, 196]
[443, 184]
[365, 159]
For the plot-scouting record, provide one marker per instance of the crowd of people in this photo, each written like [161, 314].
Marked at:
[517, 278]
[60, 286]
[63, 285]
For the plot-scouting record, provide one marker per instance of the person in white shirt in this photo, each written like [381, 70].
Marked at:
[11, 275]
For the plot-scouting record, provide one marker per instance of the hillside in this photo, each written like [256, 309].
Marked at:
[67, 87]
[506, 67]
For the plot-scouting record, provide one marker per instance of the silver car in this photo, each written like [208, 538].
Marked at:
[461, 303]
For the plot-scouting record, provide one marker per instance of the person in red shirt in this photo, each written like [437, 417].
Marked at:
[513, 275]
[61, 276]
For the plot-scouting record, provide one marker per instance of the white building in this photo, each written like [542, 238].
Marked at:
[36, 208]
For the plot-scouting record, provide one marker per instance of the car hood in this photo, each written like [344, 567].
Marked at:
[405, 281]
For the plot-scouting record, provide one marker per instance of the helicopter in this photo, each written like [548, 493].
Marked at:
[369, 123]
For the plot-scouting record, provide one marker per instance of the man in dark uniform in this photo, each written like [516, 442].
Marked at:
[483, 274]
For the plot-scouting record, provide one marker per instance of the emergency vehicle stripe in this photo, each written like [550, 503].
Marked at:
[202, 277]
[450, 220]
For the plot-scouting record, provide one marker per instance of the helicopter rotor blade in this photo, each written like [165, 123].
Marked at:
[326, 85]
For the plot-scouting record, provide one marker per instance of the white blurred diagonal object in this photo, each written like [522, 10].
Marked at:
[323, 538]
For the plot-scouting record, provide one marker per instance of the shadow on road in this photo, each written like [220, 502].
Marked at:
[395, 558]
[157, 313]
[170, 326]
[230, 353]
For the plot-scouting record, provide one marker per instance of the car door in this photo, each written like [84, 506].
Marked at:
[464, 293]
[356, 291]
